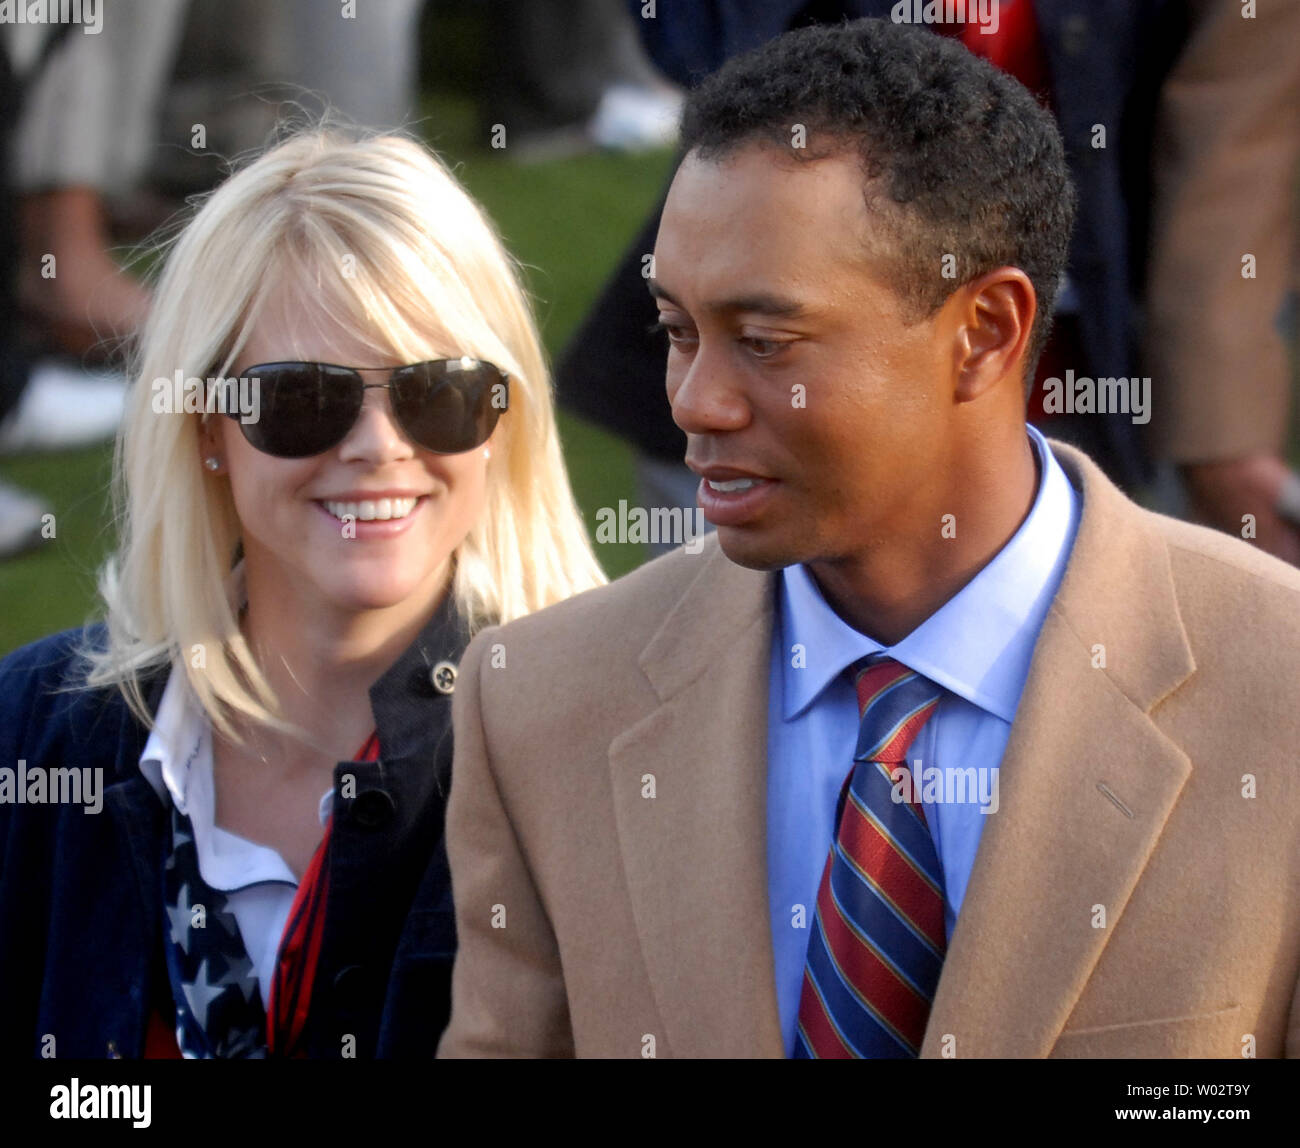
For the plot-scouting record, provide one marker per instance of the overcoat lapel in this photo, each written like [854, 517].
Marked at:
[695, 852]
[1087, 782]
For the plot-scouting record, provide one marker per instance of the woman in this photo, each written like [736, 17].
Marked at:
[259, 731]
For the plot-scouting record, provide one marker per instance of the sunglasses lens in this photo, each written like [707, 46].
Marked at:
[451, 406]
[305, 408]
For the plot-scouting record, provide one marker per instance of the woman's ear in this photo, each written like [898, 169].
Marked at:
[210, 447]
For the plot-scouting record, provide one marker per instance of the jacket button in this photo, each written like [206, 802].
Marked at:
[1074, 34]
[373, 808]
[443, 677]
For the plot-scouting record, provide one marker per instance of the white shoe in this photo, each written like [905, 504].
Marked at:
[631, 118]
[21, 519]
[64, 406]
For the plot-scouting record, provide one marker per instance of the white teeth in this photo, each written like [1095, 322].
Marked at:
[731, 485]
[367, 511]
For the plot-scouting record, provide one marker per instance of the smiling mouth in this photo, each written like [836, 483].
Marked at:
[732, 485]
[377, 510]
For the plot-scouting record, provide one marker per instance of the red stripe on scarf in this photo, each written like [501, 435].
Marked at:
[295, 967]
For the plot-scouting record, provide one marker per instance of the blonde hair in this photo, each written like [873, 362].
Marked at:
[396, 251]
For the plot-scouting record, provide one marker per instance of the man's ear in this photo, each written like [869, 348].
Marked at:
[993, 317]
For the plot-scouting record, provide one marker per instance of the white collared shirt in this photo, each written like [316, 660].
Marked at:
[259, 885]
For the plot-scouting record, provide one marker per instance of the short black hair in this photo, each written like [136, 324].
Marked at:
[967, 152]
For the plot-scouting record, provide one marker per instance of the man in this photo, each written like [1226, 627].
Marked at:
[943, 747]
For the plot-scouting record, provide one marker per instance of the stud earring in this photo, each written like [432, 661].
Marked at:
[212, 463]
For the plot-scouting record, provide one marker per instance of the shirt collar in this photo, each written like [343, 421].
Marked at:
[177, 762]
[978, 644]
[175, 742]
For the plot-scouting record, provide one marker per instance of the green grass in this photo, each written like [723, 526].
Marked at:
[567, 222]
[53, 587]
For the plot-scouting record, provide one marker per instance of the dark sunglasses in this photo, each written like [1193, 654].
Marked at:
[447, 406]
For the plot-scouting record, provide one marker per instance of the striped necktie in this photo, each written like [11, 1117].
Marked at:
[877, 942]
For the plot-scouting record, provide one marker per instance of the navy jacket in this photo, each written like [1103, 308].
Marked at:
[81, 941]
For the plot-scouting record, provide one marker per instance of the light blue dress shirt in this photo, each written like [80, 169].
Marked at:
[978, 646]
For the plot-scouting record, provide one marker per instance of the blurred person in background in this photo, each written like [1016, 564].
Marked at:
[566, 76]
[243, 65]
[83, 141]
[21, 514]
[77, 127]
[1220, 281]
[263, 716]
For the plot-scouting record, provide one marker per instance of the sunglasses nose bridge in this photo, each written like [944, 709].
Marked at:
[383, 403]
[376, 429]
